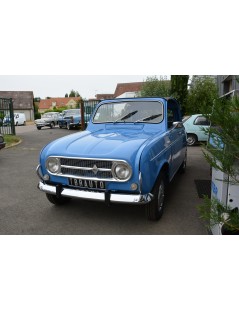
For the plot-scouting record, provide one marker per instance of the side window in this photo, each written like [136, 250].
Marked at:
[201, 121]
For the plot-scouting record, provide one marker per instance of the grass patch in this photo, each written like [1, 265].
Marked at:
[11, 139]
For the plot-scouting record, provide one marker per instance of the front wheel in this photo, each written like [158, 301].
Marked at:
[155, 208]
[68, 126]
[58, 201]
[39, 128]
[191, 139]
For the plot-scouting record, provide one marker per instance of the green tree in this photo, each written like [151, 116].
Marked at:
[37, 115]
[66, 95]
[154, 87]
[179, 89]
[74, 93]
[223, 155]
[202, 94]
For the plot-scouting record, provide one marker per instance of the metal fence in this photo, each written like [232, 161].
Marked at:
[7, 126]
[87, 108]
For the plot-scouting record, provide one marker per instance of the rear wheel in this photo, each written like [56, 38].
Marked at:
[192, 139]
[68, 126]
[39, 128]
[155, 208]
[58, 201]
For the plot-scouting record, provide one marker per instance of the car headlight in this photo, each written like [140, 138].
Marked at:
[53, 165]
[121, 171]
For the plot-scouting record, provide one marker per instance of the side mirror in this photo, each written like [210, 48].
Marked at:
[177, 125]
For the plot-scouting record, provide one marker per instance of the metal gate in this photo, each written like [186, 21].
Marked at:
[7, 126]
[87, 108]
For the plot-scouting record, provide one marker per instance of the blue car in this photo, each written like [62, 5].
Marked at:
[131, 150]
[195, 126]
[70, 119]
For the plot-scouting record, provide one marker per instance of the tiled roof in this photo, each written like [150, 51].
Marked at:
[104, 96]
[22, 100]
[57, 102]
[122, 88]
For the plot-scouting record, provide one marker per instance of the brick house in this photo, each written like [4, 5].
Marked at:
[22, 102]
[123, 90]
[126, 90]
[104, 96]
[50, 104]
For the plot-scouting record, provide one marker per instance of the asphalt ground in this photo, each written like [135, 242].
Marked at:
[24, 210]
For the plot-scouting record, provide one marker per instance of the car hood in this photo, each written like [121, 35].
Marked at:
[122, 144]
[43, 119]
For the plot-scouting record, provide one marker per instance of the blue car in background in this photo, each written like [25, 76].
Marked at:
[70, 119]
[195, 126]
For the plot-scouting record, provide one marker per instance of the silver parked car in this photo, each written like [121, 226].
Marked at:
[49, 119]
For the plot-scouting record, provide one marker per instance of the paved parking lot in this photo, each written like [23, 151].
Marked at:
[25, 210]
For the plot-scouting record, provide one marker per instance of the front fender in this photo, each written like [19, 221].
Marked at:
[154, 156]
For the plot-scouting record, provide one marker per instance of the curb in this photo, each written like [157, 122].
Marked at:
[13, 144]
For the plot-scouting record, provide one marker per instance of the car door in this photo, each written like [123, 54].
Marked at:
[176, 136]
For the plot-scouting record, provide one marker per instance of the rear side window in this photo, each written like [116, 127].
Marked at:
[201, 121]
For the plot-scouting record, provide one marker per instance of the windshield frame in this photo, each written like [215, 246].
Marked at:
[133, 115]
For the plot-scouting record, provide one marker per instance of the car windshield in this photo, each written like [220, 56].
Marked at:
[47, 115]
[130, 112]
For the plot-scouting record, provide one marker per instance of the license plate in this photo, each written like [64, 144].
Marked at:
[87, 184]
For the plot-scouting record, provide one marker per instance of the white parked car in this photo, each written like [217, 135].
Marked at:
[19, 119]
[195, 126]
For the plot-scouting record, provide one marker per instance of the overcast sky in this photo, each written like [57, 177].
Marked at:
[58, 85]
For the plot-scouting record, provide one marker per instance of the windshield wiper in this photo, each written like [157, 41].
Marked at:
[148, 118]
[126, 116]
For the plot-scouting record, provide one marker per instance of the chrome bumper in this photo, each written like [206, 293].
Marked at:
[137, 199]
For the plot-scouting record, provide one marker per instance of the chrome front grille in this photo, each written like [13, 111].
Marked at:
[86, 168]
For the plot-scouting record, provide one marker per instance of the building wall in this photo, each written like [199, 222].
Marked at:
[22, 102]
[226, 84]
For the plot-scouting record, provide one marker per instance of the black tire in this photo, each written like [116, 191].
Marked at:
[183, 167]
[68, 126]
[52, 125]
[39, 128]
[191, 139]
[155, 209]
[57, 201]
